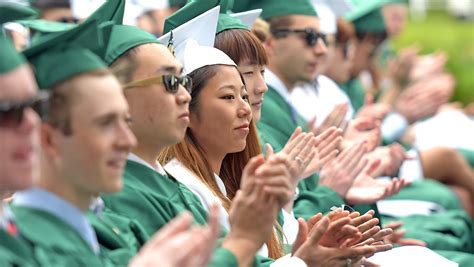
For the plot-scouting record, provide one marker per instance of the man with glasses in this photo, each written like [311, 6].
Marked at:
[19, 142]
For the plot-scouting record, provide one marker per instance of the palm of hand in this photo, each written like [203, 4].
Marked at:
[366, 190]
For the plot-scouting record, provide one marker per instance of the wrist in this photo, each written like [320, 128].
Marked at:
[243, 248]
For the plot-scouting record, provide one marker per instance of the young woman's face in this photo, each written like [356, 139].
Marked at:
[255, 84]
[221, 119]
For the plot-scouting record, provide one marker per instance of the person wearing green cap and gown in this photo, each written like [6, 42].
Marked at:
[19, 126]
[19, 137]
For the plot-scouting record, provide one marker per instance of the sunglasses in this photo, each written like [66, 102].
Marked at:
[68, 20]
[310, 35]
[171, 83]
[13, 113]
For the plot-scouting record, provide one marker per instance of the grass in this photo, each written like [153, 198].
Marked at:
[441, 31]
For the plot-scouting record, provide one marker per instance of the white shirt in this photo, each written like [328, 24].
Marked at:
[319, 99]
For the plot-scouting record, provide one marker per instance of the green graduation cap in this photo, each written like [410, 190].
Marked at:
[11, 11]
[10, 59]
[177, 3]
[195, 8]
[187, 13]
[277, 8]
[367, 16]
[46, 26]
[70, 47]
[124, 38]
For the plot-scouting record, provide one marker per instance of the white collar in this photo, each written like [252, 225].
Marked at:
[275, 82]
[159, 169]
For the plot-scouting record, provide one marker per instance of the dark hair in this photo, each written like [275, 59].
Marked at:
[124, 66]
[241, 45]
[280, 22]
[376, 37]
[345, 31]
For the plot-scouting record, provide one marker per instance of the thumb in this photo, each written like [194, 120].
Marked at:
[252, 165]
[301, 236]
[318, 231]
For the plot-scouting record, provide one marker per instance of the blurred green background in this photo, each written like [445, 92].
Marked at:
[441, 31]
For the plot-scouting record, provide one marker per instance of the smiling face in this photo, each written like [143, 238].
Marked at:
[19, 157]
[93, 156]
[221, 114]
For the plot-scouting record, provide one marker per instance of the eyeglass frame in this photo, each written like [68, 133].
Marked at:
[161, 79]
[39, 103]
[311, 35]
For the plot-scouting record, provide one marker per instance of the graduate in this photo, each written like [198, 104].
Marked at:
[19, 126]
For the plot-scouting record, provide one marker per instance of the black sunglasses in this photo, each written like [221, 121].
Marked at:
[12, 113]
[171, 82]
[311, 36]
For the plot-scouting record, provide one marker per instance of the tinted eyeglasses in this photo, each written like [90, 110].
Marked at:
[310, 35]
[171, 82]
[12, 113]
[69, 20]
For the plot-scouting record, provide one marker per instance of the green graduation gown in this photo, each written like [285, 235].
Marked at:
[120, 238]
[153, 200]
[53, 242]
[14, 251]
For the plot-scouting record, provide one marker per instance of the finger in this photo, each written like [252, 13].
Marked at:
[177, 225]
[318, 231]
[293, 142]
[382, 234]
[269, 150]
[314, 220]
[412, 242]
[362, 219]
[370, 232]
[296, 132]
[252, 165]
[328, 158]
[213, 221]
[356, 252]
[394, 225]
[301, 236]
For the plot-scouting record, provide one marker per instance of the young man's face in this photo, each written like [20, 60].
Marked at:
[293, 57]
[160, 117]
[18, 140]
[93, 157]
